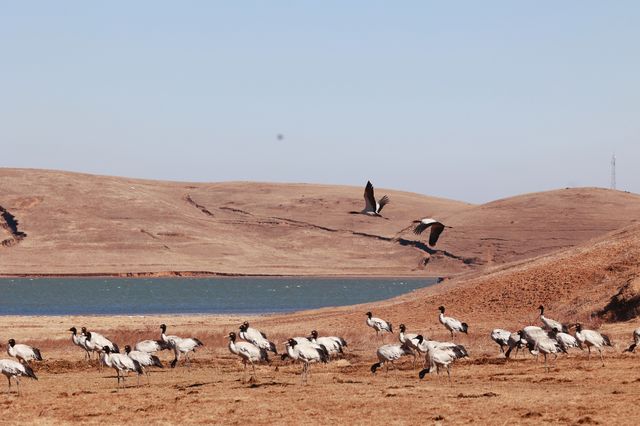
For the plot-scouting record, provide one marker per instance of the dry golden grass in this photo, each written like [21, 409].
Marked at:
[485, 389]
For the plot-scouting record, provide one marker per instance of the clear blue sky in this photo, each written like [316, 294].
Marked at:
[471, 100]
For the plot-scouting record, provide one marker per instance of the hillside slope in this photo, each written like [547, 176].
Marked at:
[70, 223]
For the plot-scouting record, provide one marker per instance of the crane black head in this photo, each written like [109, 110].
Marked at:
[292, 343]
[163, 327]
[578, 327]
[127, 348]
[403, 328]
[12, 342]
[88, 335]
[368, 314]
[541, 309]
[106, 349]
[243, 327]
[441, 309]
[232, 336]
[314, 334]
[84, 330]
[246, 324]
[73, 330]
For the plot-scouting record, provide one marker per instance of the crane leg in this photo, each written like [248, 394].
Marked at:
[601, 357]
[18, 384]
[9, 388]
[449, 374]
[589, 349]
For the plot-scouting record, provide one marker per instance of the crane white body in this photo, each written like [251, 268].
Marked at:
[257, 338]
[452, 324]
[22, 352]
[15, 369]
[306, 354]
[388, 354]
[379, 325]
[248, 352]
[592, 338]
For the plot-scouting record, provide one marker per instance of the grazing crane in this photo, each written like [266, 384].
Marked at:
[379, 325]
[546, 345]
[516, 341]
[452, 324]
[249, 353]
[551, 324]
[371, 206]
[436, 229]
[438, 358]
[306, 354]
[11, 368]
[565, 340]
[257, 337]
[457, 351]
[151, 346]
[592, 338]
[636, 341]
[145, 359]
[179, 345]
[183, 347]
[501, 337]
[529, 334]
[24, 353]
[388, 354]
[80, 340]
[121, 363]
[334, 345]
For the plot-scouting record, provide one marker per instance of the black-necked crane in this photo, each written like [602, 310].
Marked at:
[184, 346]
[592, 338]
[501, 337]
[515, 341]
[636, 341]
[80, 340]
[551, 324]
[15, 369]
[379, 325]
[166, 338]
[306, 354]
[388, 354]
[437, 228]
[410, 340]
[437, 359]
[452, 324]
[180, 345]
[121, 363]
[97, 341]
[257, 337]
[565, 340]
[371, 206]
[335, 345]
[250, 354]
[152, 346]
[145, 359]
[545, 346]
[24, 353]
[457, 351]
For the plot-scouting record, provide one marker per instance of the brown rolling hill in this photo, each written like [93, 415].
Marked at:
[69, 223]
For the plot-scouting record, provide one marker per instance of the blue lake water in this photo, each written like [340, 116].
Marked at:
[109, 296]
